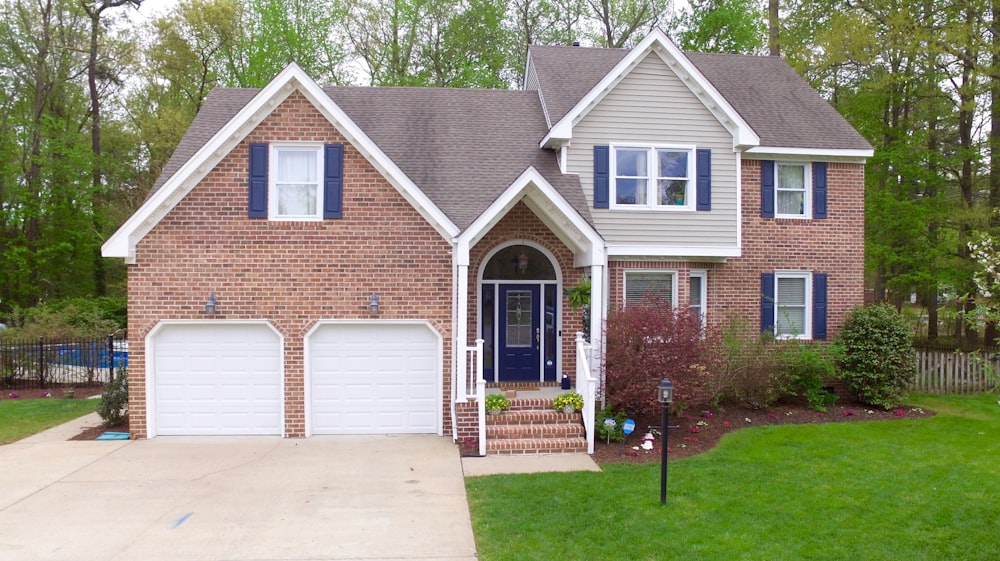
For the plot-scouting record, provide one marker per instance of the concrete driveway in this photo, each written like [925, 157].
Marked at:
[234, 498]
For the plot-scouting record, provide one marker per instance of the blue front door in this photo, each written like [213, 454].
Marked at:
[519, 330]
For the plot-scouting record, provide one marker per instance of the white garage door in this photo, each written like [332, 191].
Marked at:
[217, 378]
[377, 378]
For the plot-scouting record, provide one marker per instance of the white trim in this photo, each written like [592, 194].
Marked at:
[739, 203]
[703, 296]
[150, 374]
[656, 42]
[123, 242]
[831, 154]
[807, 276]
[680, 252]
[673, 283]
[558, 282]
[272, 180]
[653, 177]
[550, 207]
[307, 370]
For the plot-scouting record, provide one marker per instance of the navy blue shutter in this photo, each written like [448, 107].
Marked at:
[257, 188]
[819, 306]
[767, 188]
[333, 181]
[767, 303]
[602, 179]
[819, 189]
[704, 179]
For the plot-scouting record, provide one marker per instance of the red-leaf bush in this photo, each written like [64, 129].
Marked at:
[651, 341]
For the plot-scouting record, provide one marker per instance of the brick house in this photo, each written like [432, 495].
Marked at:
[322, 260]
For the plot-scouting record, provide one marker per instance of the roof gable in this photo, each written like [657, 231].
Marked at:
[657, 42]
[216, 133]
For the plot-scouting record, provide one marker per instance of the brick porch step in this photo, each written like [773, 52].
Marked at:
[532, 426]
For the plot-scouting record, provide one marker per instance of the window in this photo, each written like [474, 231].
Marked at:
[790, 298]
[697, 293]
[650, 285]
[794, 304]
[792, 190]
[653, 177]
[295, 183]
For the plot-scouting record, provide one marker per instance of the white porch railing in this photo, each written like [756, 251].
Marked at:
[586, 384]
[473, 386]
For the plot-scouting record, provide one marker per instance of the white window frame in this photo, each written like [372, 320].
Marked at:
[652, 177]
[703, 296]
[806, 276]
[272, 181]
[666, 272]
[806, 185]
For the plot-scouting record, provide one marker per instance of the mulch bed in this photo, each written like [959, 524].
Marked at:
[698, 431]
[93, 432]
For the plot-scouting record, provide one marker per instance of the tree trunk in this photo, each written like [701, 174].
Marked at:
[773, 22]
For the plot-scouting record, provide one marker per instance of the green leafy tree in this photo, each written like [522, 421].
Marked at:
[723, 26]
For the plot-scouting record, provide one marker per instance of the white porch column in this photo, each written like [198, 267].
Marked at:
[461, 334]
[598, 307]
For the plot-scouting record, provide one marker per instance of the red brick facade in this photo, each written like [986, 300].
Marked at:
[834, 246]
[292, 274]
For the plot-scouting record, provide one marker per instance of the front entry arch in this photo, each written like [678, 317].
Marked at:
[519, 314]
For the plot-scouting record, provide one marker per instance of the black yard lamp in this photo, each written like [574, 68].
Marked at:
[665, 395]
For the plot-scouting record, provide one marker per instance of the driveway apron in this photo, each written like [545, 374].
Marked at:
[235, 498]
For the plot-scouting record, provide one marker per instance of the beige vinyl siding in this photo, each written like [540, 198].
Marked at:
[652, 106]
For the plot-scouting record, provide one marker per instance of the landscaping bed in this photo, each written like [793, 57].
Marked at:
[697, 431]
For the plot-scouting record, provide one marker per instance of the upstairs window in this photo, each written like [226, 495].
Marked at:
[295, 182]
[792, 190]
[653, 177]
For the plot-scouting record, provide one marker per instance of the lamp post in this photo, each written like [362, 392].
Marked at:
[665, 395]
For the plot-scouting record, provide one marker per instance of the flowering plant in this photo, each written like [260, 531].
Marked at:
[497, 402]
[571, 398]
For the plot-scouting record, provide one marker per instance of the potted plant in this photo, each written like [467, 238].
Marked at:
[570, 402]
[496, 403]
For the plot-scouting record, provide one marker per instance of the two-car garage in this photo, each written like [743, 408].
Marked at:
[227, 378]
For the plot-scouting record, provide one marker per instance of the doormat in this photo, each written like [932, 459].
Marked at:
[113, 436]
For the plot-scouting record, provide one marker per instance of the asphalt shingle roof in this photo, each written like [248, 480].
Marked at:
[777, 103]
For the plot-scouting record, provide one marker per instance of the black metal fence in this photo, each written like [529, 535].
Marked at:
[60, 363]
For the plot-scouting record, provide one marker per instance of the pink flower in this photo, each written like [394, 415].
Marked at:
[899, 413]
[848, 412]
[725, 424]
[14, 395]
[695, 430]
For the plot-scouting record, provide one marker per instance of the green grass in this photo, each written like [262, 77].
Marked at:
[920, 489]
[24, 417]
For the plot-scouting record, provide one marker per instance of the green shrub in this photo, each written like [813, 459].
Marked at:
[69, 318]
[114, 400]
[753, 376]
[497, 402]
[807, 366]
[878, 362]
[604, 432]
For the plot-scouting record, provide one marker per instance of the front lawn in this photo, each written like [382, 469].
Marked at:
[24, 417]
[907, 489]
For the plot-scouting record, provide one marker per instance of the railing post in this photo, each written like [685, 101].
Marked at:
[41, 362]
[111, 358]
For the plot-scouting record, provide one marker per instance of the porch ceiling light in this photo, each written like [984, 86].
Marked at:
[211, 303]
[373, 304]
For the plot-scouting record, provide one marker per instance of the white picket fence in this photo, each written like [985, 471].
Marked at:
[956, 372]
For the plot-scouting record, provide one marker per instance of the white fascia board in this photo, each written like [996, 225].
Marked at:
[658, 42]
[833, 154]
[122, 243]
[517, 190]
[685, 253]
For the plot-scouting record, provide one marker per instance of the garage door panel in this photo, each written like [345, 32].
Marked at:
[373, 379]
[217, 378]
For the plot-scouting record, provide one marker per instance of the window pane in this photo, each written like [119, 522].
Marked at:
[791, 177]
[672, 192]
[631, 163]
[630, 192]
[791, 321]
[296, 166]
[519, 318]
[296, 200]
[640, 286]
[792, 291]
[695, 291]
[791, 202]
[673, 164]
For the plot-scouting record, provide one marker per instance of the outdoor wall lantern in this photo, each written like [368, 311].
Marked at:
[665, 395]
[210, 304]
[373, 304]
